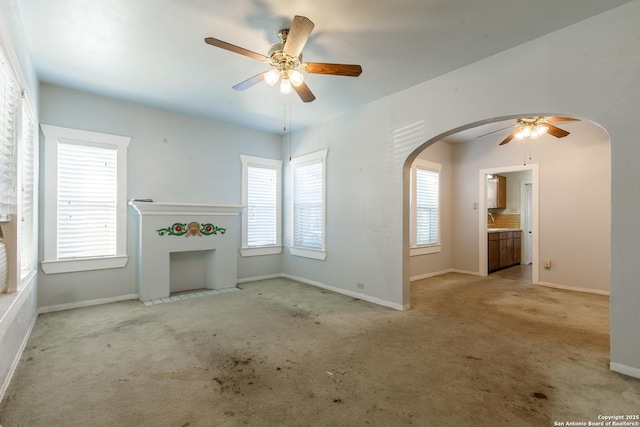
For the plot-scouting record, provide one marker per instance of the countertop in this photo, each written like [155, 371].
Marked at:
[497, 230]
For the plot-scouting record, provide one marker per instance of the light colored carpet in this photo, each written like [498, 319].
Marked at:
[472, 351]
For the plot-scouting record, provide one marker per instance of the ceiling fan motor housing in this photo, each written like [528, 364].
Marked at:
[280, 60]
[283, 33]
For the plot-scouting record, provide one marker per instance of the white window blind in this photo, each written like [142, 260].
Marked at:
[308, 209]
[9, 101]
[87, 201]
[9, 104]
[27, 192]
[262, 198]
[262, 190]
[426, 202]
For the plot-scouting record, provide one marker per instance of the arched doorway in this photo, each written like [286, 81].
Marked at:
[574, 227]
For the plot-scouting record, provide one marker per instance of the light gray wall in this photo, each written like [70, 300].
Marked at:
[589, 70]
[363, 205]
[171, 158]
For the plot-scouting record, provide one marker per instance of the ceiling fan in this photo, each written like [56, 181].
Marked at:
[534, 127]
[285, 59]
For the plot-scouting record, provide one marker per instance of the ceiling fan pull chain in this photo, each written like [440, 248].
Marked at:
[530, 152]
[284, 115]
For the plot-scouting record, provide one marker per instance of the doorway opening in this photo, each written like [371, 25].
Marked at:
[508, 238]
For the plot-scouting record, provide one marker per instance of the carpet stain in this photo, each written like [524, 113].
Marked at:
[302, 314]
[240, 361]
[472, 358]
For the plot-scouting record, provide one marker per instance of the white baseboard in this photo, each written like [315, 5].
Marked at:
[625, 370]
[573, 288]
[87, 303]
[14, 364]
[256, 278]
[428, 275]
[349, 293]
[438, 273]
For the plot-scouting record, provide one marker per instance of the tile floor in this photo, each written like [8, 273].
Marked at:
[518, 272]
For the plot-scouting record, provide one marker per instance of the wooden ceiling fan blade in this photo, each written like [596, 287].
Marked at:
[299, 33]
[509, 137]
[561, 119]
[236, 49]
[556, 131]
[250, 81]
[350, 70]
[304, 92]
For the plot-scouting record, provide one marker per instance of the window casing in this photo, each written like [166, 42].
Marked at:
[308, 178]
[262, 198]
[85, 200]
[26, 227]
[425, 207]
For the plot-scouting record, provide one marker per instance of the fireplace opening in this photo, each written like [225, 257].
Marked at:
[191, 270]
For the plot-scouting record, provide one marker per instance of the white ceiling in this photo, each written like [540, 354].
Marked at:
[152, 51]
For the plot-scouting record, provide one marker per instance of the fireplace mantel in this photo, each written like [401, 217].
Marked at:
[165, 228]
[164, 208]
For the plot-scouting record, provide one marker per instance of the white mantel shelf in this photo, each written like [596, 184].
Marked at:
[165, 208]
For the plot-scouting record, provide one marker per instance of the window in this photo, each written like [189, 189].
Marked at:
[9, 107]
[425, 207]
[85, 200]
[308, 180]
[262, 196]
[17, 177]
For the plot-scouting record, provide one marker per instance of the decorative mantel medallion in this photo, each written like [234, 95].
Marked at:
[193, 228]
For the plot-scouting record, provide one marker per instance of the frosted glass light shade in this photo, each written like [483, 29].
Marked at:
[539, 131]
[285, 86]
[296, 77]
[271, 77]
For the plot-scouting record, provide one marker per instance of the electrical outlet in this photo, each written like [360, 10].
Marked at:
[360, 285]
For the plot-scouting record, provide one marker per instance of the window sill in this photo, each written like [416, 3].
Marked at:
[261, 250]
[83, 264]
[425, 250]
[309, 253]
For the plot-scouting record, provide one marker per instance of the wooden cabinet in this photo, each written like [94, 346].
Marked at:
[504, 249]
[494, 251]
[517, 247]
[496, 192]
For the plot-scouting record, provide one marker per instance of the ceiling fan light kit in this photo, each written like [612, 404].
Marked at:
[531, 128]
[285, 59]
[535, 127]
